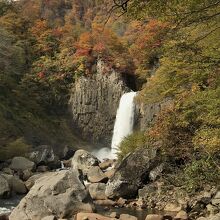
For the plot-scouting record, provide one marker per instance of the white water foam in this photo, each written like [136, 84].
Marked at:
[124, 121]
[103, 153]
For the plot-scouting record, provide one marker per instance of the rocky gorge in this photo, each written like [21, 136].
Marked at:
[109, 110]
[75, 184]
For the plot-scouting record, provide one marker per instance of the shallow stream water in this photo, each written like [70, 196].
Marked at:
[7, 205]
[140, 214]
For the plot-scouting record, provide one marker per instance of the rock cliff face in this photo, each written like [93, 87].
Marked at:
[147, 113]
[94, 102]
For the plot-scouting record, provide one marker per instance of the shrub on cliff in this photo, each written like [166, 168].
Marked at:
[131, 143]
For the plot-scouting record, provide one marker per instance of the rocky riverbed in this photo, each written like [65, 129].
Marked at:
[90, 189]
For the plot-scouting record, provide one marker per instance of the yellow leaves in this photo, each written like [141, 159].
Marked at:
[207, 139]
[195, 88]
[85, 41]
[39, 28]
[81, 67]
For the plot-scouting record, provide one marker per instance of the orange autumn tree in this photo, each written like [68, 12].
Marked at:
[83, 58]
[145, 41]
[102, 43]
[47, 39]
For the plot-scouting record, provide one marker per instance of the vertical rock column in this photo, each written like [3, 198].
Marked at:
[94, 102]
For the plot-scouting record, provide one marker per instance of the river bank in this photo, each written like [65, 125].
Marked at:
[115, 189]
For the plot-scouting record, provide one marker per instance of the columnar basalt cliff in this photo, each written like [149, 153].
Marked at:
[146, 114]
[94, 102]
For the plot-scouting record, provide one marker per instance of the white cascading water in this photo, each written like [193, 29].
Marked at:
[124, 121]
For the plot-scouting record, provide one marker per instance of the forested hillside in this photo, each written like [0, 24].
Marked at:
[171, 47]
[188, 130]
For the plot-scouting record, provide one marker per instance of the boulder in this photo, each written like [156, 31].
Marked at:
[204, 197]
[4, 164]
[83, 160]
[91, 216]
[16, 185]
[114, 215]
[44, 155]
[106, 164]
[110, 173]
[97, 191]
[181, 215]
[42, 169]
[68, 153]
[147, 191]
[22, 163]
[127, 217]
[7, 170]
[106, 202]
[31, 181]
[26, 175]
[67, 163]
[212, 217]
[4, 187]
[154, 217]
[211, 209]
[96, 175]
[51, 217]
[216, 199]
[172, 207]
[59, 193]
[121, 202]
[131, 173]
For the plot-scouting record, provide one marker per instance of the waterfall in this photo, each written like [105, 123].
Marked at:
[62, 165]
[124, 121]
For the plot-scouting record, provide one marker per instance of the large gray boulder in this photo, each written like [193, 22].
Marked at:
[16, 185]
[61, 194]
[83, 160]
[96, 175]
[4, 187]
[131, 173]
[97, 191]
[22, 163]
[44, 155]
[31, 181]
